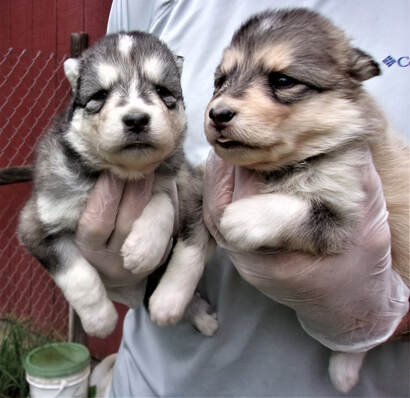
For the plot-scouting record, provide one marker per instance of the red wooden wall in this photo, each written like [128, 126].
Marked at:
[36, 25]
[46, 24]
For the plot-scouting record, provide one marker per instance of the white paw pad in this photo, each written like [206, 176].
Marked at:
[142, 256]
[99, 320]
[167, 309]
[243, 227]
[200, 314]
[344, 369]
[206, 323]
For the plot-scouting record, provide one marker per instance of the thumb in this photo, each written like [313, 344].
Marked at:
[98, 219]
[218, 183]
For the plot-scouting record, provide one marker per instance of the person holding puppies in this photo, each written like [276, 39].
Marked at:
[260, 348]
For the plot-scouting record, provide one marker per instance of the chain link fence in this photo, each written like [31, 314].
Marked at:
[32, 90]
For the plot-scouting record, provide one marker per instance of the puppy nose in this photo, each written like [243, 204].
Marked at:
[136, 121]
[221, 115]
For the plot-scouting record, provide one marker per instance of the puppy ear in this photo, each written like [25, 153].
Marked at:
[363, 66]
[72, 71]
[179, 60]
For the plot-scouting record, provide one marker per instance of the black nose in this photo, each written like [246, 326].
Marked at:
[220, 116]
[135, 122]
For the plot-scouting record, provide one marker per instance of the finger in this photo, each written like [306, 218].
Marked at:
[246, 184]
[135, 197]
[109, 265]
[218, 183]
[97, 222]
[131, 295]
[375, 232]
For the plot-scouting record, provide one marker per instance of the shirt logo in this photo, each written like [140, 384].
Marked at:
[402, 62]
[389, 61]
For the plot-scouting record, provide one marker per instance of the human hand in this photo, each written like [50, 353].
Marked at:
[111, 210]
[351, 301]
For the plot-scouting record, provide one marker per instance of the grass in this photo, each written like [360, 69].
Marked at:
[16, 340]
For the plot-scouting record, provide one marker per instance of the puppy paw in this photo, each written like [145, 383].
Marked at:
[200, 314]
[142, 253]
[99, 320]
[207, 324]
[344, 369]
[150, 236]
[167, 308]
[243, 225]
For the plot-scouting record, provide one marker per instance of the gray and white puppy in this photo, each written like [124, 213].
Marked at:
[126, 116]
[289, 103]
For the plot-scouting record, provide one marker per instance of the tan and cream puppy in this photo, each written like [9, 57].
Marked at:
[289, 104]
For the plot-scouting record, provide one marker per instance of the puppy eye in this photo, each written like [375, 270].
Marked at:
[163, 91]
[99, 96]
[281, 81]
[96, 101]
[166, 96]
[219, 82]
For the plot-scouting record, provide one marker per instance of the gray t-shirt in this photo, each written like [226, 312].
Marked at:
[260, 348]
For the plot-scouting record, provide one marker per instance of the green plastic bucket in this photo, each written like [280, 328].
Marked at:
[58, 370]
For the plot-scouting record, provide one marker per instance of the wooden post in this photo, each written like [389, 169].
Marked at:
[78, 43]
[14, 175]
[76, 333]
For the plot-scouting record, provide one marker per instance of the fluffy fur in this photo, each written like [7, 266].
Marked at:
[289, 103]
[126, 115]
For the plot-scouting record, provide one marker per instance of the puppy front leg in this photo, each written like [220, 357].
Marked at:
[177, 286]
[84, 290]
[150, 236]
[264, 220]
[174, 297]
